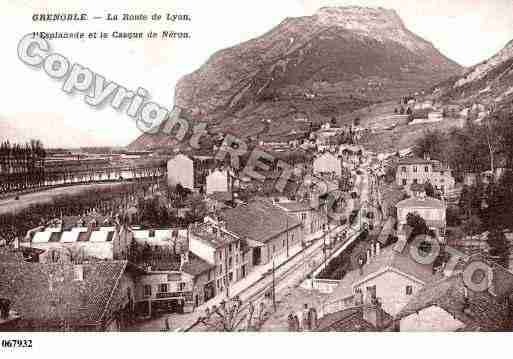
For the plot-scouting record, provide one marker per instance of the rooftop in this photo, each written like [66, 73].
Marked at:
[212, 235]
[77, 234]
[485, 312]
[48, 296]
[259, 220]
[416, 202]
[389, 258]
[349, 320]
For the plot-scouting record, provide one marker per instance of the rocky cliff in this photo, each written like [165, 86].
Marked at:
[314, 67]
[489, 82]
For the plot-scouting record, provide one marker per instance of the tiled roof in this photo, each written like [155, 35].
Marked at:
[389, 257]
[47, 296]
[485, 312]
[259, 220]
[196, 266]
[349, 320]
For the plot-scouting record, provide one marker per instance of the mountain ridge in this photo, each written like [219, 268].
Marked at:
[318, 67]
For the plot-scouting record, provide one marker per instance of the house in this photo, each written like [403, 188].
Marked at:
[105, 243]
[189, 171]
[432, 210]
[267, 229]
[448, 305]
[218, 181]
[328, 163]
[367, 316]
[422, 170]
[174, 279]
[226, 251]
[174, 285]
[95, 296]
[391, 274]
[311, 216]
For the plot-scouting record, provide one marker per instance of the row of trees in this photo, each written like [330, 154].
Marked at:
[21, 165]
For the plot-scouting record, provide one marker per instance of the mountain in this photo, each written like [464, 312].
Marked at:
[488, 82]
[315, 67]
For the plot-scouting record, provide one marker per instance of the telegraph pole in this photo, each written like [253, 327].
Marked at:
[274, 287]
[287, 230]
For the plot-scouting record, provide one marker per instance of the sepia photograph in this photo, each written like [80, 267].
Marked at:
[300, 166]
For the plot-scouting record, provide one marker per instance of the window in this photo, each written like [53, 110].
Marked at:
[230, 247]
[284, 243]
[416, 181]
[426, 169]
[163, 288]
[181, 286]
[303, 216]
[221, 255]
[209, 275]
[442, 173]
[414, 168]
[147, 290]
[230, 262]
[220, 269]
[404, 182]
[230, 276]
[409, 290]
[403, 169]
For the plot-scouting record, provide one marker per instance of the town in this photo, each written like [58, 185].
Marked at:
[337, 173]
[171, 242]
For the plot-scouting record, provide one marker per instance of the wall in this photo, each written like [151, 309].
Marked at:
[156, 278]
[278, 245]
[391, 288]
[202, 249]
[100, 250]
[430, 319]
[180, 169]
[328, 163]
[217, 181]
[435, 177]
[437, 214]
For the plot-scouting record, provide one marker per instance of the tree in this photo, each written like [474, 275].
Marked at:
[472, 225]
[430, 190]
[417, 223]
[499, 247]
[232, 316]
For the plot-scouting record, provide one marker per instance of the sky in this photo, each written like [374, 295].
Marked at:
[33, 104]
